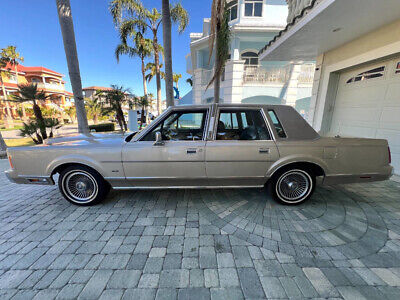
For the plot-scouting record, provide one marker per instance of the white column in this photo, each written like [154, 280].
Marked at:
[291, 93]
[233, 84]
[235, 49]
[197, 86]
[315, 89]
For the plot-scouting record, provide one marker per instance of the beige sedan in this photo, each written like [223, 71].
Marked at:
[214, 146]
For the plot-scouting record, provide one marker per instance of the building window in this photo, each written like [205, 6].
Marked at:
[253, 8]
[397, 71]
[370, 74]
[35, 80]
[12, 77]
[250, 58]
[233, 10]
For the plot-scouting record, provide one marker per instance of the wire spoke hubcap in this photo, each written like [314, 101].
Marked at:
[294, 185]
[80, 186]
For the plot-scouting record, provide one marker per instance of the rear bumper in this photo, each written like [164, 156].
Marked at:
[14, 177]
[385, 174]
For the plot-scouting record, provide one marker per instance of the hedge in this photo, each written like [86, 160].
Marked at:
[102, 127]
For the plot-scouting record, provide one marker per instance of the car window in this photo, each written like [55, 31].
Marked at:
[277, 124]
[180, 126]
[242, 125]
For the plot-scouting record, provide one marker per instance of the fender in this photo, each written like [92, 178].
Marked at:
[73, 158]
[284, 161]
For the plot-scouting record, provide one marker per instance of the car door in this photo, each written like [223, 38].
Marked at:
[242, 148]
[180, 159]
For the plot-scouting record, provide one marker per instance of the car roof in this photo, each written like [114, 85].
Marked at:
[225, 105]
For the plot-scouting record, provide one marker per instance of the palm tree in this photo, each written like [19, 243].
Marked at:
[190, 81]
[132, 13]
[67, 30]
[220, 35]
[178, 15]
[30, 93]
[94, 108]
[144, 102]
[151, 67]
[71, 112]
[142, 48]
[115, 98]
[3, 64]
[10, 55]
[176, 79]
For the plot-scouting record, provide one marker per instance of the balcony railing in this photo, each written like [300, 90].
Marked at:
[258, 74]
[50, 86]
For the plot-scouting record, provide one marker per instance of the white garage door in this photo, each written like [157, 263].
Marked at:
[368, 105]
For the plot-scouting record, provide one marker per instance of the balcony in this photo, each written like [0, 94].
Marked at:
[258, 74]
[50, 86]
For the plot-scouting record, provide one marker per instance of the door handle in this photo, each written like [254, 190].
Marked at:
[264, 150]
[191, 151]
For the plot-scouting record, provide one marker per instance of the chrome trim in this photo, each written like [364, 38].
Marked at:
[189, 187]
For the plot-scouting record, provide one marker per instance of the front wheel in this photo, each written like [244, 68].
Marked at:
[83, 186]
[293, 186]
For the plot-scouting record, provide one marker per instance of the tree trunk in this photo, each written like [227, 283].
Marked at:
[22, 104]
[217, 74]
[95, 119]
[169, 81]
[67, 30]
[158, 73]
[142, 118]
[39, 118]
[8, 119]
[3, 146]
[144, 77]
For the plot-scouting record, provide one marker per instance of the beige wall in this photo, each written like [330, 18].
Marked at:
[379, 44]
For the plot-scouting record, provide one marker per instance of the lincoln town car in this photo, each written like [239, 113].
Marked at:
[210, 146]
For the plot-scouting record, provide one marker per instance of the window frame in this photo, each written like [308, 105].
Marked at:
[253, 2]
[241, 109]
[206, 111]
[397, 68]
[368, 72]
[230, 6]
[250, 57]
[273, 126]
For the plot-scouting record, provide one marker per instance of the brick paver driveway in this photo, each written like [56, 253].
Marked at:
[223, 244]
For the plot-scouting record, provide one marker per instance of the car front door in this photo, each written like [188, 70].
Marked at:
[241, 150]
[176, 162]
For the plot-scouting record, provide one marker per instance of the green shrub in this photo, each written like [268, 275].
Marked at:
[102, 127]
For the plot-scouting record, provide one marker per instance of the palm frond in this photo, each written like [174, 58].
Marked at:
[180, 16]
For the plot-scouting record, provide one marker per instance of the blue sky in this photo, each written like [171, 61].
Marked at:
[33, 27]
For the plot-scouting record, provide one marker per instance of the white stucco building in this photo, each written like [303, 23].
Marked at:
[247, 79]
[356, 44]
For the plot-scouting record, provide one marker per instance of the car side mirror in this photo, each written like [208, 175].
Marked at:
[159, 141]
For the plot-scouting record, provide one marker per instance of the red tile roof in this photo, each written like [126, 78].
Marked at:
[97, 88]
[21, 68]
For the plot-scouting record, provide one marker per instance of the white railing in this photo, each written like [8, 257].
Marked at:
[206, 76]
[307, 74]
[258, 74]
[50, 86]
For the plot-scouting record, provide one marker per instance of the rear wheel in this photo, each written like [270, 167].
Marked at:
[293, 186]
[83, 186]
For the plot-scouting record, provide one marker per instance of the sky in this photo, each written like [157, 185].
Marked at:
[33, 27]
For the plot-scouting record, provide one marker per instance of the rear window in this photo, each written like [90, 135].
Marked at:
[277, 124]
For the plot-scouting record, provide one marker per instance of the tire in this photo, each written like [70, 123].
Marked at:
[293, 186]
[82, 185]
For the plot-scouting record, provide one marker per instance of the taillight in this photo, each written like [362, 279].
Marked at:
[390, 156]
[10, 161]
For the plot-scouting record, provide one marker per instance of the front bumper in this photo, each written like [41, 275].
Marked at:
[14, 177]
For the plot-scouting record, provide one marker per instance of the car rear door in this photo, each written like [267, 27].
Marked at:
[242, 148]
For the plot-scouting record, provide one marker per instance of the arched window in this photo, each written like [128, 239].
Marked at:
[250, 58]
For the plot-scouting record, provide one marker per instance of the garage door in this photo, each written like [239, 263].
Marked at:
[368, 105]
